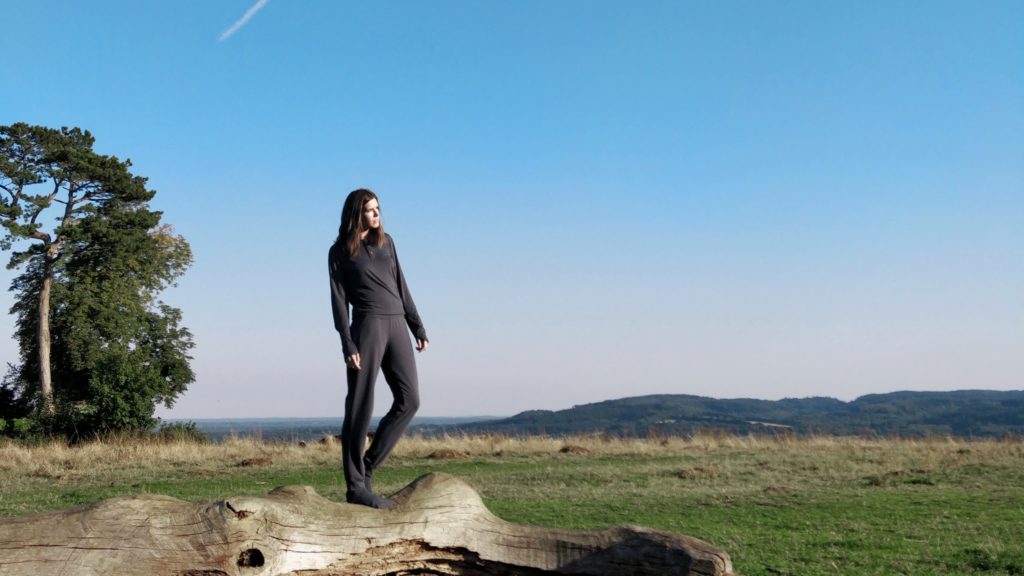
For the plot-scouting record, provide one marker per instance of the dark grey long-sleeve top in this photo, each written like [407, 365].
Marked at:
[373, 284]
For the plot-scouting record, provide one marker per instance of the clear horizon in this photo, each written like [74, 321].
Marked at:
[590, 200]
[341, 415]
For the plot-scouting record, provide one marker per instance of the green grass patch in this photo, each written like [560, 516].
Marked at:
[787, 508]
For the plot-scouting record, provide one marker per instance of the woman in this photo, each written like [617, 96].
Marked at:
[365, 274]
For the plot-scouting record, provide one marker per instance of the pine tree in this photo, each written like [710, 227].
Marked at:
[98, 349]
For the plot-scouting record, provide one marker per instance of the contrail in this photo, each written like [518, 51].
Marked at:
[242, 21]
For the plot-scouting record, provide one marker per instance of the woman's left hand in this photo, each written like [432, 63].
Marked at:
[421, 345]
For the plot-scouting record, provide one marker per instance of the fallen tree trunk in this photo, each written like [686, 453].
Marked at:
[439, 526]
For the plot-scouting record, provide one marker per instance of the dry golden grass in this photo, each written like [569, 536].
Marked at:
[840, 456]
[100, 456]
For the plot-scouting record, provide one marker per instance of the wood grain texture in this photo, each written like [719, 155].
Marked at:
[439, 526]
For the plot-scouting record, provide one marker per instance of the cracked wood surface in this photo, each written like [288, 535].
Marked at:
[439, 526]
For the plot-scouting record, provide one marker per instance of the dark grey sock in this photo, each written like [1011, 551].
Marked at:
[367, 498]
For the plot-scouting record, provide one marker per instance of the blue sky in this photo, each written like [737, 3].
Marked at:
[590, 199]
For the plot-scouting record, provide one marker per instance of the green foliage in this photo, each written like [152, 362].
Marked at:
[13, 400]
[115, 350]
[21, 428]
[182, 432]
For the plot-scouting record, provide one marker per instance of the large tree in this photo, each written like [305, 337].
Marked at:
[98, 349]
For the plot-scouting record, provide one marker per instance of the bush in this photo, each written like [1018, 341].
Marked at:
[182, 432]
[23, 428]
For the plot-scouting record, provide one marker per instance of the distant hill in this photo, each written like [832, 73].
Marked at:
[963, 413]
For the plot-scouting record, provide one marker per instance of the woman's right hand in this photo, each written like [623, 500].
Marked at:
[353, 361]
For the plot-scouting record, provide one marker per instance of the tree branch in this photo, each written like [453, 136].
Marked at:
[15, 192]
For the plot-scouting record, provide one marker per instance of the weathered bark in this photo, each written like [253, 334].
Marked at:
[45, 376]
[52, 253]
[439, 526]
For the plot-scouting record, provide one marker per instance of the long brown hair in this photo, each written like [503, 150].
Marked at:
[352, 222]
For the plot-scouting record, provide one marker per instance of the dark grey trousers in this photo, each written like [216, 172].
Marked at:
[384, 344]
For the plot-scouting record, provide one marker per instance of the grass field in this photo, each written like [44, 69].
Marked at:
[777, 505]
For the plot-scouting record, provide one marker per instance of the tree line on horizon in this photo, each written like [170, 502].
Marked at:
[98, 350]
[963, 413]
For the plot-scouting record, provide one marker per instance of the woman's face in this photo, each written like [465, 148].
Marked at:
[371, 215]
